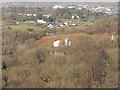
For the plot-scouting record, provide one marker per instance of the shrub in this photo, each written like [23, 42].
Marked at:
[30, 29]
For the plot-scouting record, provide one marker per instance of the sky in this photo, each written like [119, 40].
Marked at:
[61, 0]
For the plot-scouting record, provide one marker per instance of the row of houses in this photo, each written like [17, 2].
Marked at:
[64, 24]
[106, 10]
[34, 15]
[70, 6]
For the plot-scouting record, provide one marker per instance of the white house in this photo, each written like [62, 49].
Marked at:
[73, 17]
[77, 17]
[41, 21]
[50, 26]
[112, 38]
[29, 15]
[34, 15]
[70, 7]
[58, 6]
[30, 22]
[66, 23]
[17, 22]
[47, 15]
[57, 43]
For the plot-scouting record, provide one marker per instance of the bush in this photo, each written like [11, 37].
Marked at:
[30, 29]
[10, 28]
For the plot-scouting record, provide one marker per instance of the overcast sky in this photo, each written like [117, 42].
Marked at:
[61, 0]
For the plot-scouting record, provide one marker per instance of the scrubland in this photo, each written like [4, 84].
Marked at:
[29, 60]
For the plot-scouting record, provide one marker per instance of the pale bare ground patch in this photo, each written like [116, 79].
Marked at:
[72, 37]
[48, 40]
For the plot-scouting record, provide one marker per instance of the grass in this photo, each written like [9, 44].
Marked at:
[23, 27]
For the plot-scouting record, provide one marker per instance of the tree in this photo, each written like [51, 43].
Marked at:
[30, 29]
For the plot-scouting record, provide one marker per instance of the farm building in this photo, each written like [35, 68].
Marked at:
[57, 43]
[67, 42]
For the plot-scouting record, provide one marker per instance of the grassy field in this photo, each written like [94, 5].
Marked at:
[25, 26]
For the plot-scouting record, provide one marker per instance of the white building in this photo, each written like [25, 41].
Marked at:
[57, 43]
[67, 42]
[112, 38]
[41, 21]
[58, 6]
[73, 17]
[17, 22]
[47, 15]
[77, 17]
[29, 15]
[66, 23]
[30, 22]
[70, 7]
[80, 8]
[34, 15]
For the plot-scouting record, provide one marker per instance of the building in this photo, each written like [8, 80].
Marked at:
[30, 22]
[66, 23]
[112, 38]
[73, 17]
[52, 25]
[34, 15]
[17, 22]
[70, 7]
[29, 15]
[47, 15]
[57, 43]
[67, 42]
[41, 21]
[58, 6]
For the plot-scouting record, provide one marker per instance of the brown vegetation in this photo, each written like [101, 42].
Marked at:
[91, 61]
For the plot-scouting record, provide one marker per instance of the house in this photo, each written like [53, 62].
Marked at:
[61, 25]
[72, 24]
[57, 43]
[29, 15]
[19, 14]
[52, 25]
[30, 22]
[70, 7]
[80, 8]
[75, 16]
[58, 6]
[17, 22]
[66, 23]
[34, 15]
[113, 37]
[47, 15]
[41, 21]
